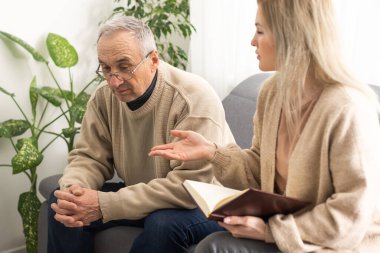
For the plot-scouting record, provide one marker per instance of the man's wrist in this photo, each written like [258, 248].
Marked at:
[100, 210]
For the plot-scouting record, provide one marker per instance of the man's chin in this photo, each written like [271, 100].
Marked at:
[125, 99]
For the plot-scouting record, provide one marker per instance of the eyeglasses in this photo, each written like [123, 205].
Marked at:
[123, 74]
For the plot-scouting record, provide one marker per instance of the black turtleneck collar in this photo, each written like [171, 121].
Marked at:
[140, 101]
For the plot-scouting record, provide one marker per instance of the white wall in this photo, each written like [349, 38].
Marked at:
[358, 23]
[220, 50]
[77, 21]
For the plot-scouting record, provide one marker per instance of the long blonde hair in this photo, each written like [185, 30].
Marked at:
[306, 46]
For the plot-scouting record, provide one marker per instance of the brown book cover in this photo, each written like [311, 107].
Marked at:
[217, 201]
[258, 203]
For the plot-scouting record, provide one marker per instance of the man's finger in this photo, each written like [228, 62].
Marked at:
[76, 190]
[56, 209]
[66, 204]
[74, 222]
[64, 195]
[68, 221]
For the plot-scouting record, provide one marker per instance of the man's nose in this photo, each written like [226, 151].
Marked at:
[114, 81]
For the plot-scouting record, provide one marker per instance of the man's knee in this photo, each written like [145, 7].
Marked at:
[161, 221]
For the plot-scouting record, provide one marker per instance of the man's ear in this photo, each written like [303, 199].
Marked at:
[154, 59]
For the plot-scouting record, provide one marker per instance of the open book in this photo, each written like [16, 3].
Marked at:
[217, 202]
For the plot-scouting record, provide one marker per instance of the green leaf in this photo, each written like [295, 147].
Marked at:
[27, 158]
[183, 29]
[13, 127]
[118, 9]
[6, 92]
[36, 55]
[21, 142]
[51, 95]
[70, 131]
[164, 18]
[61, 51]
[65, 94]
[79, 106]
[33, 95]
[28, 207]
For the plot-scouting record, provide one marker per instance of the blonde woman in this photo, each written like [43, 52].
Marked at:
[316, 137]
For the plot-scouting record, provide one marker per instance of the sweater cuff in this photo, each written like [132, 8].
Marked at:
[220, 158]
[106, 200]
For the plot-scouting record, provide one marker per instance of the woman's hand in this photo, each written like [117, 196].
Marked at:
[192, 146]
[245, 227]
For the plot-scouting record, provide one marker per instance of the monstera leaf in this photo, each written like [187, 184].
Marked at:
[27, 157]
[13, 127]
[61, 51]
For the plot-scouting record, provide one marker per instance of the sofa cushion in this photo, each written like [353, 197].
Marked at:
[240, 106]
[48, 185]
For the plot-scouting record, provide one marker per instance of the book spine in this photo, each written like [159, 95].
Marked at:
[216, 217]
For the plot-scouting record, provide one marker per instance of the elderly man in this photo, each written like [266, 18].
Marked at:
[142, 100]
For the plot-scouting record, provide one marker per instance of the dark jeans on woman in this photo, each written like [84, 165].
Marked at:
[165, 230]
[224, 242]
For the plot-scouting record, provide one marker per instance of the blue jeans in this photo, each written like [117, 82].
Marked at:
[165, 230]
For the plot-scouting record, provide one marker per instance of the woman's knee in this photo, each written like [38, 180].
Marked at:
[220, 242]
[210, 243]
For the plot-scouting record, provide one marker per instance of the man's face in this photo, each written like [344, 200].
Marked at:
[119, 53]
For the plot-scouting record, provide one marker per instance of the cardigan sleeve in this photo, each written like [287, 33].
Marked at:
[237, 168]
[342, 220]
[240, 168]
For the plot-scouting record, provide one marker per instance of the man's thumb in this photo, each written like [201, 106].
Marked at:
[76, 190]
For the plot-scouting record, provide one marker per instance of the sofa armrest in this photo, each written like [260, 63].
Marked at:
[48, 185]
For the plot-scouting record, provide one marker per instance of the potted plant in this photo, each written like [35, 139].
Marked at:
[25, 134]
[165, 18]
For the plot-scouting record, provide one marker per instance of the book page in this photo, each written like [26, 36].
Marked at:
[209, 194]
[228, 199]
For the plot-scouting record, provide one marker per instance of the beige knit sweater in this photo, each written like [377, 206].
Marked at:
[335, 165]
[115, 138]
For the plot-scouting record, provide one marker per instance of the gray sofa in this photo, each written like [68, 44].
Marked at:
[239, 105]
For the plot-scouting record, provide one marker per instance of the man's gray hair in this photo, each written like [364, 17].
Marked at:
[140, 31]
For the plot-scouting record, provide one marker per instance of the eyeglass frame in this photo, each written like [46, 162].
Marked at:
[118, 75]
